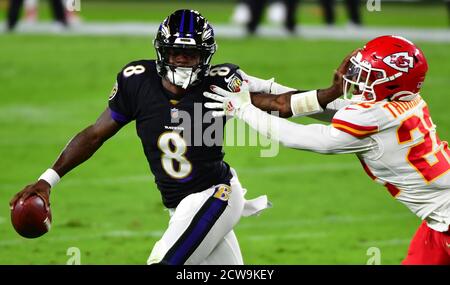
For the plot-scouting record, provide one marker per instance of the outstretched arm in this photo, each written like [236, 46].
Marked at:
[281, 103]
[296, 102]
[314, 137]
[86, 143]
[78, 150]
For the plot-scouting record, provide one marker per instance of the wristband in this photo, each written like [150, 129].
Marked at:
[305, 103]
[50, 176]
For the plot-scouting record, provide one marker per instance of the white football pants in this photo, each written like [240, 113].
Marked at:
[201, 229]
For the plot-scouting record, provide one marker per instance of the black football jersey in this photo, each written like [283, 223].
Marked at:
[181, 139]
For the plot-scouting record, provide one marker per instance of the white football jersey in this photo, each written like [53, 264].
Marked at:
[409, 158]
[396, 142]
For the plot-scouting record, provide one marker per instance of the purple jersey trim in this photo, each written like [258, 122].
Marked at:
[119, 117]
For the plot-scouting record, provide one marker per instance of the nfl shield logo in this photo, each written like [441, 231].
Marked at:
[174, 113]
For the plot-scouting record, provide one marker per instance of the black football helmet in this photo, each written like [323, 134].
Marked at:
[184, 29]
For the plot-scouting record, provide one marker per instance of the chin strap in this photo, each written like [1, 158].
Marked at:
[182, 76]
[187, 81]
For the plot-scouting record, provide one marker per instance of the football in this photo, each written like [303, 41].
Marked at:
[31, 219]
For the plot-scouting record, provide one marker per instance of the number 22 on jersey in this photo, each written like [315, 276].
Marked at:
[430, 145]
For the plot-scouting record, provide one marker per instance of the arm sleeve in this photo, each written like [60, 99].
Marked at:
[268, 86]
[330, 110]
[315, 137]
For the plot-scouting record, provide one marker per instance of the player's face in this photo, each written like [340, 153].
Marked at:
[183, 57]
[359, 75]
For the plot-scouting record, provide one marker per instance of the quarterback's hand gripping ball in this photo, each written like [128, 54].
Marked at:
[31, 218]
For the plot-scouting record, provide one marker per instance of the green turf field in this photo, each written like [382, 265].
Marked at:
[326, 210]
[310, 13]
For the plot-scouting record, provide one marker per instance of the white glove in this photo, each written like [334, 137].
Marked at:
[229, 103]
[256, 84]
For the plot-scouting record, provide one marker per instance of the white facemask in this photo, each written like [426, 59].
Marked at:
[182, 76]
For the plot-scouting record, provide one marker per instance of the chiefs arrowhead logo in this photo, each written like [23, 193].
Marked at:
[400, 61]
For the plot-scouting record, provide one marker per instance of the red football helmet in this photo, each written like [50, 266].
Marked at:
[387, 66]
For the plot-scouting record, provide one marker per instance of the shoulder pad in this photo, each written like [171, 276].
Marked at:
[231, 66]
[137, 67]
[356, 120]
[225, 76]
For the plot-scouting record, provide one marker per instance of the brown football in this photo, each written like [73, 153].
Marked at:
[31, 219]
